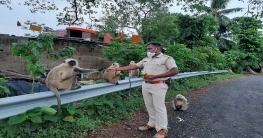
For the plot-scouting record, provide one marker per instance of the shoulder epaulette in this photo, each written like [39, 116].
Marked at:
[167, 56]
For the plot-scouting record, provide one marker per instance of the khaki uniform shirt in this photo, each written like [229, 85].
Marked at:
[157, 65]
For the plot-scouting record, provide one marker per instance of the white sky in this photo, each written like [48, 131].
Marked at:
[9, 18]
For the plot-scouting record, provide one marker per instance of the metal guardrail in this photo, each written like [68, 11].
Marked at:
[11, 106]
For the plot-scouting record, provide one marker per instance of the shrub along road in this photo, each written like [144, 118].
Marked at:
[231, 109]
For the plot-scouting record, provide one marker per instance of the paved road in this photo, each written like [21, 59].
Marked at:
[233, 109]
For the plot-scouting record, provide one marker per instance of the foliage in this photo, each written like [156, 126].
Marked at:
[250, 44]
[181, 55]
[3, 89]
[32, 51]
[131, 14]
[255, 7]
[74, 121]
[125, 10]
[90, 114]
[123, 53]
[194, 32]
[149, 18]
[64, 52]
[36, 119]
[211, 59]
[233, 60]
[107, 25]
[198, 58]
[160, 28]
[217, 9]
[72, 15]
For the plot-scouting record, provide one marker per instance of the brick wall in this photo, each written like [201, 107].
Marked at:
[88, 55]
[7, 61]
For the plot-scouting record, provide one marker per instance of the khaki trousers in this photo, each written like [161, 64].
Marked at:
[154, 100]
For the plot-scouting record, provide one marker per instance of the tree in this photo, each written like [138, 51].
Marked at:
[255, 7]
[73, 15]
[107, 24]
[125, 10]
[123, 53]
[218, 10]
[194, 31]
[6, 3]
[134, 14]
[250, 43]
[161, 27]
[149, 18]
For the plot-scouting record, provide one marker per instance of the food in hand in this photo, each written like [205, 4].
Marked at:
[144, 74]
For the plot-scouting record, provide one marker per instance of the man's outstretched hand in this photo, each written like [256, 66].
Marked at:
[111, 69]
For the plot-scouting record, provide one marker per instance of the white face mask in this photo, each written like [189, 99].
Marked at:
[151, 54]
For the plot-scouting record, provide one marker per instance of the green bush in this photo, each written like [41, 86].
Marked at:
[197, 58]
[123, 53]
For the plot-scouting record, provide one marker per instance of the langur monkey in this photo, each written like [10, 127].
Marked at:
[180, 103]
[64, 77]
[133, 74]
[112, 76]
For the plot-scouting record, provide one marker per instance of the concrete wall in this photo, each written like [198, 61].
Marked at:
[88, 55]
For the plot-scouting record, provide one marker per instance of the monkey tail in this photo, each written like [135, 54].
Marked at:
[55, 91]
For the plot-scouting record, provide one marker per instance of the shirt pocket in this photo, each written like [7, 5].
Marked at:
[145, 64]
[159, 66]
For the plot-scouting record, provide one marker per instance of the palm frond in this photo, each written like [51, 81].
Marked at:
[201, 15]
[202, 8]
[225, 43]
[228, 11]
[219, 4]
[223, 20]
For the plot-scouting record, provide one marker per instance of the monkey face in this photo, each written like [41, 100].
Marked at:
[115, 64]
[178, 107]
[179, 102]
[180, 97]
[132, 62]
[72, 63]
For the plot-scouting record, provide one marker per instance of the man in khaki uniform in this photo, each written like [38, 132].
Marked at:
[158, 68]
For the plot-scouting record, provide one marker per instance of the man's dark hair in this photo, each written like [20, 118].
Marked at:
[156, 44]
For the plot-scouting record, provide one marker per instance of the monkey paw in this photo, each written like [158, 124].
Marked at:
[100, 69]
[76, 86]
[76, 73]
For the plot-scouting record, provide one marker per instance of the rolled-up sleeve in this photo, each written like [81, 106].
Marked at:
[170, 63]
[139, 64]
